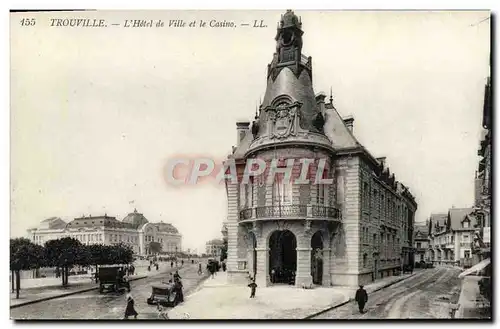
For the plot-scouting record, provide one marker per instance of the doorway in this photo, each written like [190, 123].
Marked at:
[282, 257]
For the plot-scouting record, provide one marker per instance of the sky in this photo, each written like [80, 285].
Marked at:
[96, 113]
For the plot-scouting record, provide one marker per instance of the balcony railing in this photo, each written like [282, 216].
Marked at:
[281, 211]
[290, 211]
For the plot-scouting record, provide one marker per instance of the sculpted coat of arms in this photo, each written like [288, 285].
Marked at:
[283, 120]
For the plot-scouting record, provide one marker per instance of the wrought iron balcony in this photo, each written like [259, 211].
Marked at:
[281, 211]
[290, 211]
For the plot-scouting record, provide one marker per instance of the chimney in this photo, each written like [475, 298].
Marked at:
[349, 120]
[242, 128]
[320, 97]
[381, 160]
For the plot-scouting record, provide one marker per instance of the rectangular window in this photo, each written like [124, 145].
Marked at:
[320, 195]
[282, 193]
[419, 245]
[366, 195]
[466, 224]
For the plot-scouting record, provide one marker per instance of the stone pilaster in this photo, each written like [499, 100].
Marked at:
[303, 274]
[232, 226]
[262, 278]
[327, 279]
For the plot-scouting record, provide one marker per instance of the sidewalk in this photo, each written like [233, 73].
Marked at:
[471, 305]
[37, 290]
[218, 300]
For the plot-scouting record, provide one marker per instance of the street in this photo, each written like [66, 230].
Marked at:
[426, 295]
[93, 305]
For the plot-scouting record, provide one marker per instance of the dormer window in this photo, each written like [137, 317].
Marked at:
[465, 224]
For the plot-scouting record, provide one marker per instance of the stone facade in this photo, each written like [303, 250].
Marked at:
[213, 247]
[350, 224]
[134, 230]
[451, 237]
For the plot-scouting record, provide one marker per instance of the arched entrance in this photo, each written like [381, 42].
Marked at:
[317, 258]
[282, 257]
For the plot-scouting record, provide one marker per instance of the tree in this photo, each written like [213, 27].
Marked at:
[24, 255]
[155, 247]
[121, 254]
[64, 253]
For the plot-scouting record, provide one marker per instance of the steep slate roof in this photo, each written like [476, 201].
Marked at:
[440, 219]
[244, 146]
[457, 215]
[100, 221]
[420, 232]
[337, 131]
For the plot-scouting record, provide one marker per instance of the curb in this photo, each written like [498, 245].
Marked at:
[64, 295]
[310, 316]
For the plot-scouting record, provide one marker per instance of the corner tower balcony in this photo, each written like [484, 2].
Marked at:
[290, 212]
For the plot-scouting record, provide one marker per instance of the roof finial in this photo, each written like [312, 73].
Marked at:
[256, 111]
[135, 209]
[331, 95]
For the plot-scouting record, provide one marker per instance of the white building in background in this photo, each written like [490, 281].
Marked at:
[213, 247]
[451, 237]
[134, 230]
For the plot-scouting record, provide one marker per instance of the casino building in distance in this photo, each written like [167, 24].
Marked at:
[354, 231]
[134, 230]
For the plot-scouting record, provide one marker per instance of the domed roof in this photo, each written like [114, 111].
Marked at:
[52, 223]
[136, 219]
[166, 227]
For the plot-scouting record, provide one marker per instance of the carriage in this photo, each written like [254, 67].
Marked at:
[112, 278]
[163, 294]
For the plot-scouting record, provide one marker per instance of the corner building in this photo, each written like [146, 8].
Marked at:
[353, 230]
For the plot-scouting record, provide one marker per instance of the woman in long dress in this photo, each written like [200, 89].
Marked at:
[130, 310]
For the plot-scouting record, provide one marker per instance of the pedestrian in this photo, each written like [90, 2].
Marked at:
[171, 264]
[224, 266]
[199, 269]
[177, 276]
[253, 287]
[273, 276]
[130, 310]
[361, 298]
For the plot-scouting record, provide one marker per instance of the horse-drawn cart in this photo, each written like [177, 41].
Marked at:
[112, 278]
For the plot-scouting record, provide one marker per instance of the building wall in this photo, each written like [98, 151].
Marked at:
[110, 236]
[380, 249]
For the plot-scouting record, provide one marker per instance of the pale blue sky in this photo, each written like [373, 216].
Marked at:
[97, 113]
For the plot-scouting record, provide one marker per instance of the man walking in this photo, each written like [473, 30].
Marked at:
[361, 298]
[253, 287]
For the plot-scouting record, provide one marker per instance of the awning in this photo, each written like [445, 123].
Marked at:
[476, 268]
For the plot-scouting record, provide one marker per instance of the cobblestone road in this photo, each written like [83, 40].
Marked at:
[426, 295]
[93, 305]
